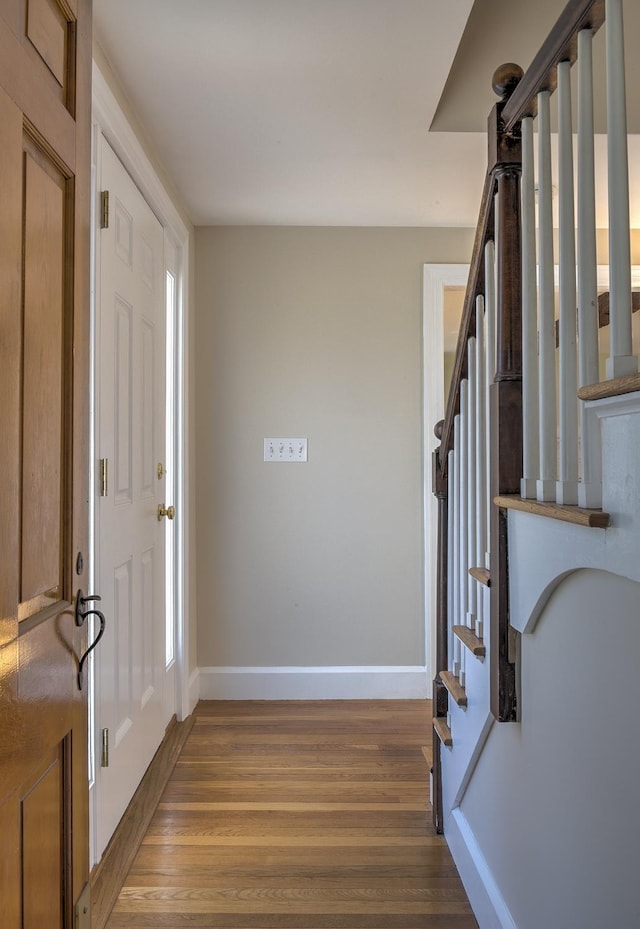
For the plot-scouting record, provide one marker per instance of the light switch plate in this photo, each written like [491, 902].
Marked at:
[285, 449]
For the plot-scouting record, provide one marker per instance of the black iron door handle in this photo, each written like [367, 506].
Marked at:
[81, 615]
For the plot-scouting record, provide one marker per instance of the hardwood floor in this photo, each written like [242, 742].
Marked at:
[297, 815]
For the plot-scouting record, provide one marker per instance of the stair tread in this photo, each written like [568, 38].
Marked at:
[483, 575]
[470, 640]
[612, 388]
[454, 687]
[442, 731]
[580, 516]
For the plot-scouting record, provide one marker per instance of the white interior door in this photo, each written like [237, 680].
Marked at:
[134, 690]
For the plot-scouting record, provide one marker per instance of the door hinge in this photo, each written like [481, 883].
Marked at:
[104, 757]
[104, 209]
[104, 477]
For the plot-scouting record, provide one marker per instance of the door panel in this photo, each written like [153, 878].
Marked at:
[131, 541]
[48, 29]
[10, 861]
[42, 853]
[123, 401]
[43, 430]
[45, 61]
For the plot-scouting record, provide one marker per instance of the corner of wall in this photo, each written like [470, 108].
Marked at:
[193, 689]
[487, 902]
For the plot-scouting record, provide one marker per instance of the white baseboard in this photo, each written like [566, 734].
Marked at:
[488, 904]
[333, 683]
[194, 689]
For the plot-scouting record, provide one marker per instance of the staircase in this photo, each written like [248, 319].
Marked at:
[538, 489]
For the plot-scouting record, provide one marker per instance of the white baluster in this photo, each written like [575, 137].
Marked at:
[567, 485]
[590, 487]
[490, 312]
[472, 584]
[456, 663]
[462, 676]
[530, 422]
[464, 501]
[480, 622]
[457, 613]
[451, 522]
[481, 453]
[546, 489]
[621, 361]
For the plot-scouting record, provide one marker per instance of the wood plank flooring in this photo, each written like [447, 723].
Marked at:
[297, 815]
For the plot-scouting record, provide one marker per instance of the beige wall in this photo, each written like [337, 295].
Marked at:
[311, 332]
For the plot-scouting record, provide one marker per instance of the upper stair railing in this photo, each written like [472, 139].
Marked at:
[515, 433]
[559, 464]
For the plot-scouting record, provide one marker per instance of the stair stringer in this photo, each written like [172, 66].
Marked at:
[469, 725]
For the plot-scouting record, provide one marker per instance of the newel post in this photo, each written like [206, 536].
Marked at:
[440, 698]
[505, 164]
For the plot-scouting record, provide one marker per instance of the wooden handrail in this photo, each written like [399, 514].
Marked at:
[560, 45]
[504, 160]
[475, 286]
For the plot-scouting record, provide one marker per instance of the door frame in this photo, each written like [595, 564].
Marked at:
[436, 277]
[109, 119]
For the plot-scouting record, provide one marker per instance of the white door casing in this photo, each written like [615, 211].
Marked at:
[134, 695]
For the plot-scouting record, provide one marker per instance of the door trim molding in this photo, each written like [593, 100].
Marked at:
[112, 122]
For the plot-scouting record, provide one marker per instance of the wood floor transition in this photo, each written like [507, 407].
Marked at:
[297, 815]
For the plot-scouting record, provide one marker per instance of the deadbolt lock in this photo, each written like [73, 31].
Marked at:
[168, 511]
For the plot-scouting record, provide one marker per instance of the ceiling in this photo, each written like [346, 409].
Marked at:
[318, 112]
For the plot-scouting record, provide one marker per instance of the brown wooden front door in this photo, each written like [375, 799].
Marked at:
[45, 71]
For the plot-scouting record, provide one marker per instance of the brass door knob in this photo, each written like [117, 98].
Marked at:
[168, 511]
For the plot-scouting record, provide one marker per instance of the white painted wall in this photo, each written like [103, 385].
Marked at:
[553, 800]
